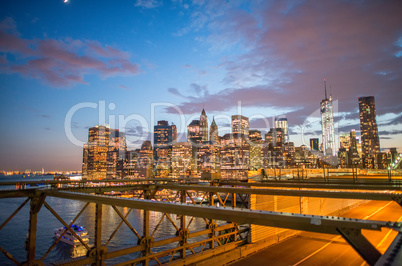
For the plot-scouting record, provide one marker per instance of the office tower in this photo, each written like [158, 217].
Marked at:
[256, 146]
[235, 151]
[327, 124]
[116, 154]
[181, 159]
[240, 125]
[369, 132]
[282, 123]
[394, 155]
[344, 141]
[288, 152]
[353, 153]
[207, 158]
[131, 164]
[342, 157]
[95, 153]
[314, 144]
[213, 132]
[174, 133]
[204, 126]
[254, 135]
[194, 132]
[164, 137]
[140, 161]
[275, 137]
[273, 149]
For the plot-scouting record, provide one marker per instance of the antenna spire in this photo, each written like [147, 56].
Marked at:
[325, 86]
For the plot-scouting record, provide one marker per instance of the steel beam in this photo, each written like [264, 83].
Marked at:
[393, 255]
[325, 185]
[56, 182]
[313, 223]
[130, 250]
[14, 213]
[387, 196]
[355, 238]
[36, 204]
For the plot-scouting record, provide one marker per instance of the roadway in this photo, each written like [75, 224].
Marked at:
[324, 249]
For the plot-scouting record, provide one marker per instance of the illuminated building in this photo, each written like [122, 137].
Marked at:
[369, 132]
[314, 144]
[95, 153]
[344, 141]
[181, 159]
[213, 132]
[164, 137]
[275, 137]
[194, 132]
[273, 149]
[145, 162]
[343, 157]
[256, 145]
[353, 152]
[140, 161]
[281, 122]
[327, 124]
[288, 153]
[207, 159]
[131, 164]
[116, 154]
[204, 126]
[235, 152]
[240, 125]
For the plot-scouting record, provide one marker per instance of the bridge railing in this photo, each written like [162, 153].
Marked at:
[223, 229]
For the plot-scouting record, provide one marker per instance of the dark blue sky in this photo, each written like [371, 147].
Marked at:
[146, 60]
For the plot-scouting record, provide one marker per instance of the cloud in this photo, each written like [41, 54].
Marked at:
[46, 116]
[294, 47]
[124, 87]
[148, 4]
[277, 54]
[387, 133]
[228, 98]
[175, 92]
[61, 63]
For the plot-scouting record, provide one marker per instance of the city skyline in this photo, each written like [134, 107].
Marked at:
[131, 57]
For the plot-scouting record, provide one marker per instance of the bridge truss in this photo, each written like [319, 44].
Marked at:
[225, 225]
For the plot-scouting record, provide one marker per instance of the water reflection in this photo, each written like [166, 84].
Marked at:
[65, 251]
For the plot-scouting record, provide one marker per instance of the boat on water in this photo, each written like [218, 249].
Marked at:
[69, 238]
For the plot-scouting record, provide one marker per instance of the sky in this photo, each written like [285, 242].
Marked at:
[68, 66]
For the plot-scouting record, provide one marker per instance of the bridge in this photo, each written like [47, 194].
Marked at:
[235, 214]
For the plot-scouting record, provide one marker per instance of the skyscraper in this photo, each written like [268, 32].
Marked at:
[327, 124]
[194, 132]
[235, 156]
[240, 125]
[164, 137]
[116, 154]
[282, 123]
[353, 154]
[144, 163]
[204, 126]
[95, 153]
[369, 132]
[344, 141]
[314, 144]
[256, 146]
[213, 132]
[181, 159]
